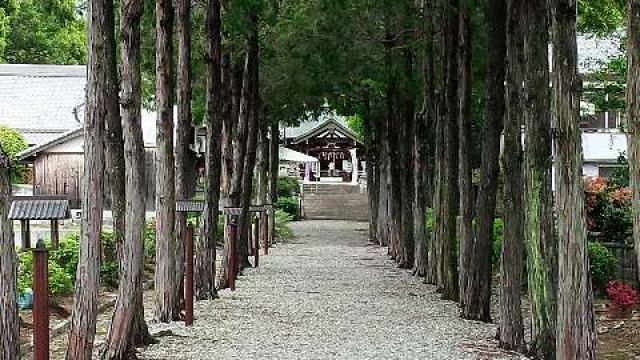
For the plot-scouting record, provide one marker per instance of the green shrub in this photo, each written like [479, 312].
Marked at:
[150, 240]
[602, 265]
[109, 274]
[289, 205]
[12, 143]
[60, 281]
[287, 186]
[67, 253]
[63, 262]
[282, 230]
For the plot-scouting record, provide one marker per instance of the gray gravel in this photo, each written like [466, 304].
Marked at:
[329, 295]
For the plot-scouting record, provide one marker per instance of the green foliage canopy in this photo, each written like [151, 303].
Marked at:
[42, 32]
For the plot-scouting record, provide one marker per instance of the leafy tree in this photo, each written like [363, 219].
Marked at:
[601, 17]
[42, 32]
[13, 143]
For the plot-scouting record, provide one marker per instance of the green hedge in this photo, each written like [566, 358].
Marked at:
[63, 262]
[287, 186]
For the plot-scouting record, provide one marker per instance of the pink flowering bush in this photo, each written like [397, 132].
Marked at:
[623, 297]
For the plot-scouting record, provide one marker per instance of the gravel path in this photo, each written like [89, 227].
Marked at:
[329, 295]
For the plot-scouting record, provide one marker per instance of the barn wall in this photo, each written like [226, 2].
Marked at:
[61, 174]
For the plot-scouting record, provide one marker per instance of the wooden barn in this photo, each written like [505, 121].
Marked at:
[58, 164]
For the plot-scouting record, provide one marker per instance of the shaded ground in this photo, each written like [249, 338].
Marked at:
[328, 296]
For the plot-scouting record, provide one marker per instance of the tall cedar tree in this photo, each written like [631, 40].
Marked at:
[539, 235]
[475, 303]
[511, 327]
[252, 141]
[274, 165]
[165, 281]
[633, 114]
[206, 255]
[422, 146]
[465, 219]
[128, 324]
[9, 319]
[183, 131]
[262, 177]
[449, 250]
[241, 110]
[575, 330]
[85, 304]
[114, 143]
[370, 149]
[435, 265]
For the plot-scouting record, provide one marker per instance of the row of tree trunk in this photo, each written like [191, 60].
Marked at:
[239, 143]
[421, 162]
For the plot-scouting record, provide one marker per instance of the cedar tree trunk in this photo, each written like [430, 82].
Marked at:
[165, 280]
[9, 319]
[85, 304]
[575, 330]
[475, 304]
[539, 223]
[511, 266]
[120, 344]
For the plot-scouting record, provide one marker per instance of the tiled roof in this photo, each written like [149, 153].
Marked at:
[39, 100]
[312, 123]
[27, 208]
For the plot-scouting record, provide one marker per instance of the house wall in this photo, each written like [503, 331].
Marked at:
[60, 173]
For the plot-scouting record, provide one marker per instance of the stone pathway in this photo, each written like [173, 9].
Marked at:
[329, 295]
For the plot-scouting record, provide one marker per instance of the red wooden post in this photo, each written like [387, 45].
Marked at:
[188, 273]
[256, 241]
[232, 263]
[40, 303]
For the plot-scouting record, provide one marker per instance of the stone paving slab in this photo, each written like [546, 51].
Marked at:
[328, 295]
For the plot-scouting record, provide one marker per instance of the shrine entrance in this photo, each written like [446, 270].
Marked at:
[337, 148]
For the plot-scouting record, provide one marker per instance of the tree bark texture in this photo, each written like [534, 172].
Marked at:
[206, 246]
[239, 150]
[228, 124]
[539, 222]
[85, 304]
[9, 318]
[465, 219]
[451, 195]
[633, 114]
[252, 141]
[421, 147]
[183, 131]
[406, 247]
[120, 343]
[476, 302]
[369, 126]
[114, 142]
[511, 266]
[262, 178]
[575, 330]
[274, 170]
[165, 281]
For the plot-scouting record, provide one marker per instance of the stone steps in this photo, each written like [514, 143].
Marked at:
[335, 202]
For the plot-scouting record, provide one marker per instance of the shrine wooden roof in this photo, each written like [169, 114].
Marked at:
[329, 129]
